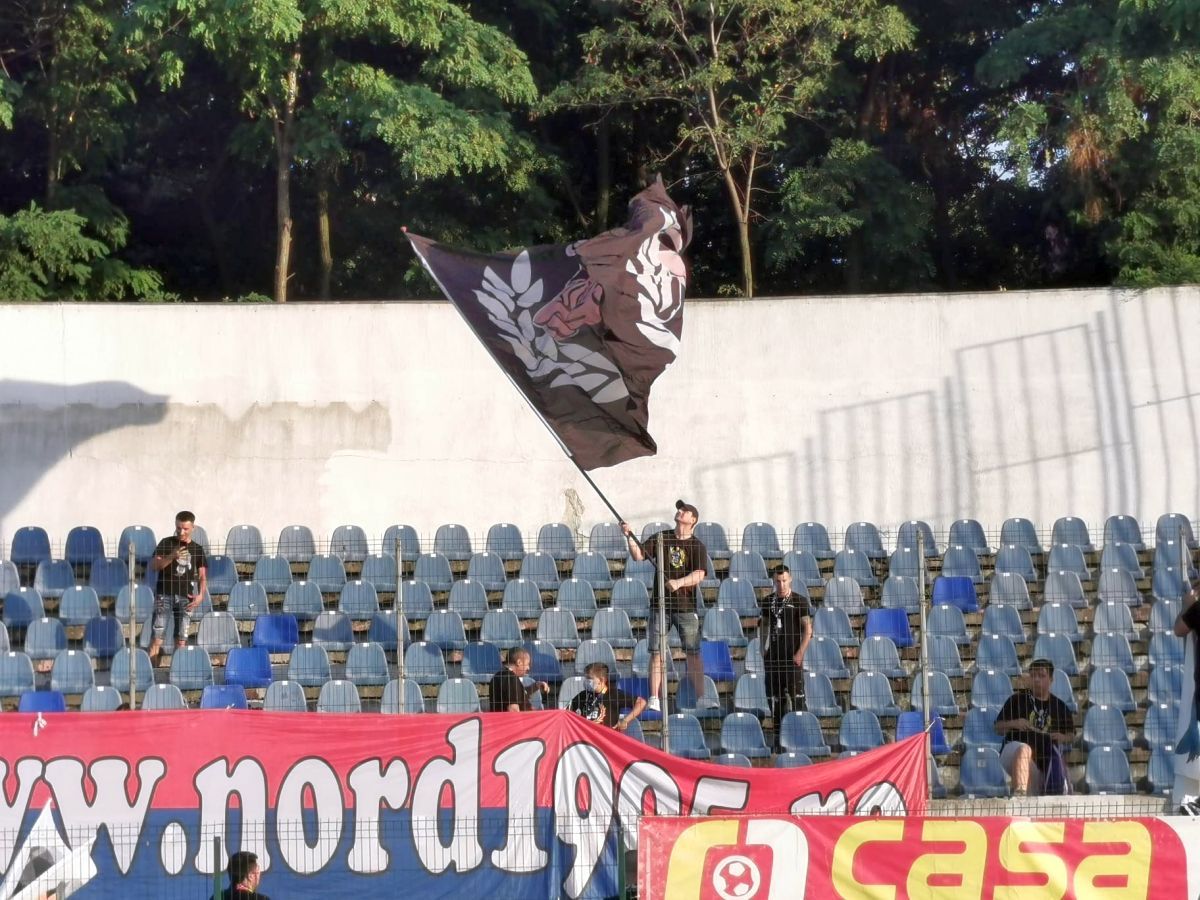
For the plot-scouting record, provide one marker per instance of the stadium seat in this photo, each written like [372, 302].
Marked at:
[85, 543]
[860, 730]
[609, 541]
[948, 621]
[1165, 685]
[163, 697]
[1170, 526]
[274, 573]
[349, 544]
[1160, 771]
[504, 541]
[244, 544]
[218, 633]
[687, 738]
[53, 577]
[457, 696]
[402, 697]
[1167, 583]
[389, 630]
[102, 637]
[1110, 687]
[980, 773]
[22, 607]
[414, 600]
[223, 696]
[380, 570]
[1165, 650]
[968, 533]
[222, 575]
[851, 563]
[1008, 589]
[750, 695]
[1122, 556]
[140, 607]
[433, 568]
[961, 562]
[872, 691]
[595, 650]
[805, 569]
[577, 596]
[1059, 649]
[191, 668]
[685, 698]
[44, 638]
[42, 701]
[1061, 688]
[521, 597]
[1005, 620]
[502, 628]
[544, 664]
[1113, 617]
[942, 701]
[813, 537]
[1059, 618]
[800, 732]
[248, 667]
[327, 572]
[738, 595]
[979, 728]
[819, 696]
[359, 601]
[846, 594]
[723, 625]
[762, 538]
[735, 760]
[72, 672]
[612, 625]
[905, 562]
[333, 631]
[481, 660]
[1107, 772]
[998, 653]
[833, 623]
[303, 600]
[955, 591]
[1104, 726]
[913, 722]
[754, 658]
[367, 665]
[558, 540]
[944, 656]
[792, 760]
[1124, 530]
[557, 627]
[405, 537]
[889, 623]
[878, 654]
[308, 665]
[247, 601]
[901, 592]
[296, 544]
[540, 568]
[1022, 533]
[824, 656]
[284, 696]
[1015, 559]
[453, 542]
[989, 690]
[1067, 558]
[1073, 531]
[1118, 586]
[641, 661]
[749, 565]
[906, 537]
[742, 733]
[1159, 727]
[142, 670]
[864, 537]
[277, 633]
[487, 570]
[99, 698]
[1112, 650]
[1162, 616]
[469, 599]
[30, 546]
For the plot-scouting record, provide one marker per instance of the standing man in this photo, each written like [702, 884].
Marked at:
[182, 580]
[1185, 794]
[1033, 721]
[244, 878]
[685, 562]
[784, 629]
[602, 703]
[508, 693]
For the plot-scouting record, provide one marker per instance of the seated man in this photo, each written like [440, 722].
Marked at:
[508, 692]
[602, 704]
[1033, 722]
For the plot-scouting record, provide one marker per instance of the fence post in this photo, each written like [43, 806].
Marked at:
[133, 628]
[216, 860]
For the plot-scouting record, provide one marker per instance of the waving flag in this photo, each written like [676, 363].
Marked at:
[582, 329]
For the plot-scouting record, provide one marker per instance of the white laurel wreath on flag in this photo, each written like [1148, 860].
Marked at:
[510, 306]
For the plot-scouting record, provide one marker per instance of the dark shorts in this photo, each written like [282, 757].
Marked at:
[687, 624]
[171, 605]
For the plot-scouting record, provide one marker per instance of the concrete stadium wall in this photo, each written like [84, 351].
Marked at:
[783, 410]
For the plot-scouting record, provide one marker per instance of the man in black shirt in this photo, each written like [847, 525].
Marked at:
[1185, 792]
[244, 878]
[685, 563]
[508, 693]
[601, 703]
[182, 580]
[1032, 722]
[784, 629]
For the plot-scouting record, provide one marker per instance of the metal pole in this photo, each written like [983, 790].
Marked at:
[216, 858]
[924, 659]
[663, 647]
[132, 628]
[400, 634]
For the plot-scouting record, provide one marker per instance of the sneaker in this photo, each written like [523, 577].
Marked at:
[654, 704]
[707, 703]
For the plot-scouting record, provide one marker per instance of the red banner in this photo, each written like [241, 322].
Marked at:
[894, 858]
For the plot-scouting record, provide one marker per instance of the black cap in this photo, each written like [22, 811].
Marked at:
[687, 507]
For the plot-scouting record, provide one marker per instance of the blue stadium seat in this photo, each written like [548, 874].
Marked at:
[308, 665]
[1015, 559]
[1021, 532]
[44, 638]
[1059, 618]
[1122, 556]
[631, 595]
[414, 600]
[191, 669]
[804, 568]
[860, 730]
[750, 695]
[218, 633]
[968, 533]
[1005, 620]
[1059, 649]
[453, 542]
[1107, 772]
[942, 701]
[540, 568]
[367, 665]
[502, 628]
[872, 691]
[457, 696]
[444, 627]
[685, 698]
[819, 696]
[738, 595]
[833, 623]
[380, 570]
[955, 591]
[284, 696]
[469, 599]
[53, 577]
[905, 562]
[1071, 530]
[609, 541]
[557, 627]
[163, 697]
[901, 592]
[913, 722]
[544, 663]
[504, 540]
[42, 701]
[244, 544]
[980, 773]
[1068, 558]
[944, 656]
[948, 621]
[1118, 586]
[389, 629]
[687, 738]
[22, 607]
[556, 539]
[889, 623]
[749, 565]
[1165, 650]
[303, 600]
[223, 696]
[761, 538]
[521, 597]
[906, 537]
[481, 660]
[612, 625]
[296, 543]
[433, 568]
[277, 633]
[846, 594]
[1113, 617]
[249, 667]
[742, 733]
[222, 574]
[813, 537]
[72, 672]
[1061, 688]
[338, 696]
[998, 653]
[578, 596]
[1104, 726]
[990, 689]
[359, 601]
[142, 670]
[143, 541]
[30, 546]
[825, 656]
[328, 573]
[1159, 726]
[852, 563]
[99, 698]
[878, 654]
[596, 650]
[108, 575]
[1123, 530]
[961, 562]
[1009, 590]
[248, 600]
[1160, 772]
[723, 625]
[1170, 526]
[1163, 615]
[487, 570]
[979, 728]
[593, 567]
[800, 732]
[402, 697]
[102, 637]
[274, 573]
[349, 543]
[1112, 650]
[84, 544]
[1110, 687]
[406, 537]
[864, 537]
[333, 630]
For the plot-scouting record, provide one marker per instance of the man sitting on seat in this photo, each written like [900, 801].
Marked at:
[602, 704]
[1033, 722]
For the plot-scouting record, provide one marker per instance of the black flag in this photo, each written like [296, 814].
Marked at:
[582, 329]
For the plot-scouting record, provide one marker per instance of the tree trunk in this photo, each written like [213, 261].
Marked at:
[53, 145]
[603, 175]
[741, 215]
[323, 232]
[284, 138]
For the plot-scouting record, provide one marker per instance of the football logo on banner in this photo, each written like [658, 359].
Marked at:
[738, 872]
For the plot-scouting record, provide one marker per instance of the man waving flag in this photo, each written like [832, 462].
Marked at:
[582, 329]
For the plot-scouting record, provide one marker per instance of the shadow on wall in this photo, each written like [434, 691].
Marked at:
[41, 424]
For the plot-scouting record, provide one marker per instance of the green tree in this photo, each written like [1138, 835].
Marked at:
[737, 72]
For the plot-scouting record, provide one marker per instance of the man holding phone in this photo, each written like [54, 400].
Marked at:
[182, 580]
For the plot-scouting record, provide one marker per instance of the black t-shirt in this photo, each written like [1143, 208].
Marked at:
[1191, 616]
[604, 709]
[177, 578]
[782, 626]
[507, 690]
[681, 557]
[1051, 715]
[232, 893]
